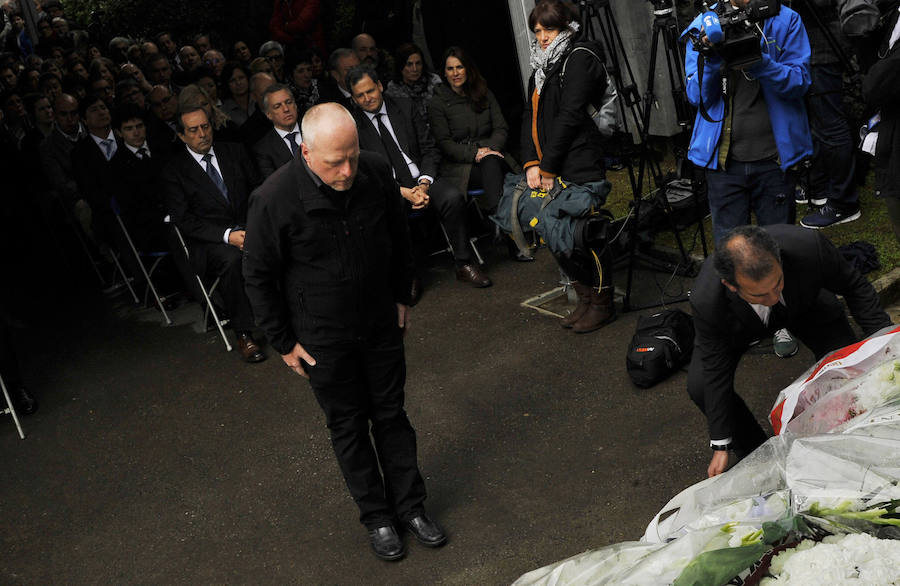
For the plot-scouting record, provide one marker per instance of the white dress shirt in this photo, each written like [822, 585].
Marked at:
[386, 120]
[215, 163]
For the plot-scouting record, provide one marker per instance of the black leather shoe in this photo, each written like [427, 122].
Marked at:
[426, 531]
[415, 291]
[386, 544]
[248, 348]
[23, 402]
[471, 274]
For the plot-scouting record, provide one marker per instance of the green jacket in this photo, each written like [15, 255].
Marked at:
[460, 131]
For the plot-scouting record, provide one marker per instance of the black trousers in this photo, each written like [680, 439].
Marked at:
[360, 389]
[213, 260]
[820, 336]
[450, 204]
[488, 175]
[9, 364]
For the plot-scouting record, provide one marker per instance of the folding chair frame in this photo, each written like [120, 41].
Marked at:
[139, 257]
[10, 409]
[210, 308]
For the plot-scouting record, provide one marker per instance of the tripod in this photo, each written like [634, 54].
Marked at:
[665, 28]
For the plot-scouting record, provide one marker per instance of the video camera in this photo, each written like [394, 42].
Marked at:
[733, 33]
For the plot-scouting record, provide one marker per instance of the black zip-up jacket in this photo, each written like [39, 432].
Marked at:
[326, 268]
[881, 90]
[570, 143]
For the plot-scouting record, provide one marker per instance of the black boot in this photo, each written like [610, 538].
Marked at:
[23, 402]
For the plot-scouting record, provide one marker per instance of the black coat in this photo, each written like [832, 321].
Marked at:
[136, 189]
[197, 206]
[412, 134]
[460, 131]
[726, 325]
[327, 268]
[93, 173]
[570, 143]
[881, 90]
[271, 152]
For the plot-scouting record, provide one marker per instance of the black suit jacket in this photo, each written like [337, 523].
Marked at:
[330, 92]
[197, 207]
[255, 128]
[726, 325]
[136, 189]
[93, 173]
[271, 152]
[412, 133]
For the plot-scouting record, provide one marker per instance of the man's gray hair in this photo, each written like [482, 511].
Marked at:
[339, 54]
[321, 117]
[275, 87]
[268, 46]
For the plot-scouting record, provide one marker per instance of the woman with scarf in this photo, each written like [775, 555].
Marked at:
[565, 143]
[412, 79]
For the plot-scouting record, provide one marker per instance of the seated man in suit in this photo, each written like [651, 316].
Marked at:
[206, 187]
[257, 125]
[91, 158]
[760, 280]
[394, 128]
[335, 89]
[136, 167]
[281, 143]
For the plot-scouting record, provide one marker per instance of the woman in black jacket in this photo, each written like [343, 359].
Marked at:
[470, 130]
[564, 142]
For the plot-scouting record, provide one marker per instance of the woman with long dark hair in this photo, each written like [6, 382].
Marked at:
[565, 143]
[469, 129]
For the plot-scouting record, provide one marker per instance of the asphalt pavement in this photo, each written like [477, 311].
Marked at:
[158, 458]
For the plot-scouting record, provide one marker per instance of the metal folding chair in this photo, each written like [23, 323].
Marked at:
[207, 293]
[10, 409]
[139, 255]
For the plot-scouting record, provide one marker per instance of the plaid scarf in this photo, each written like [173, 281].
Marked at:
[542, 60]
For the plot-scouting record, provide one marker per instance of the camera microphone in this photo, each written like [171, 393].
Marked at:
[712, 27]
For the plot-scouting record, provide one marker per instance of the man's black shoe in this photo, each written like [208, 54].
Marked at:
[23, 402]
[386, 544]
[426, 531]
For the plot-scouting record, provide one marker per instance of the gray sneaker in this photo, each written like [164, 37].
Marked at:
[784, 344]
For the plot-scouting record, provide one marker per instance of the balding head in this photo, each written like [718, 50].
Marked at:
[748, 261]
[365, 48]
[330, 144]
[259, 83]
[66, 109]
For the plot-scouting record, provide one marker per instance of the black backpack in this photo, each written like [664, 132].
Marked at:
[662, 343]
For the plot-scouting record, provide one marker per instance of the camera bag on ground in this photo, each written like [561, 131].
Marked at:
[662, 343]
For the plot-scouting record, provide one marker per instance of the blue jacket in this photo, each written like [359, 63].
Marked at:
[784, 76]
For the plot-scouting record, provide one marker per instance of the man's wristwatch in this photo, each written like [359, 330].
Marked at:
[719, 447]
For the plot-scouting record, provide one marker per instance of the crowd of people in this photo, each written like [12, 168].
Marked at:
[251, 157]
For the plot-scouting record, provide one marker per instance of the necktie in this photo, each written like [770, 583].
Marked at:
[401, 169]
[143, 153]
[214, 175]
[107, 148]
[292, 142]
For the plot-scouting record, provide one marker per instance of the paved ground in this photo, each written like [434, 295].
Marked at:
[156, 457]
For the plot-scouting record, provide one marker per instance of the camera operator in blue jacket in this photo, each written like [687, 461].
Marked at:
[750, 134]
[751, 125]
